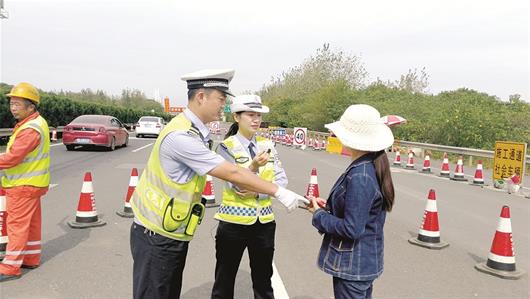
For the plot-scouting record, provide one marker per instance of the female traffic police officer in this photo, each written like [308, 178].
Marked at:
[166, 202]
[246, 217]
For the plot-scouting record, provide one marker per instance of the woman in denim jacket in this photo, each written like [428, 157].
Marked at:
[353, 220]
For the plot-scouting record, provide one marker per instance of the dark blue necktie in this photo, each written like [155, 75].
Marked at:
[251, 151]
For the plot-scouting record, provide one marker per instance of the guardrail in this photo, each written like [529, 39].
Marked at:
[4, 132]
[452, 149]
[434, 147]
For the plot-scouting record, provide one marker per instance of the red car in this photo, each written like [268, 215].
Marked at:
[95, 130]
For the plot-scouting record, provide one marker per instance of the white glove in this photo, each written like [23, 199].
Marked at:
[290, 199]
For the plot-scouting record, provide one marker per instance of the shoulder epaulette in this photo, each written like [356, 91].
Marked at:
[225, 148]
[194, 131]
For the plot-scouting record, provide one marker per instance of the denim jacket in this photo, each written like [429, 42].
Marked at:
[352, 224]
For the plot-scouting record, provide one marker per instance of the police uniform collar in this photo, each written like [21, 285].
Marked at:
[245, 142]
[203, 129]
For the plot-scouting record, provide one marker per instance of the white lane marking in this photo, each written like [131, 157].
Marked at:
[138, 138]
[141, 148]
[53, 185]
[277, 284]
[55, 144]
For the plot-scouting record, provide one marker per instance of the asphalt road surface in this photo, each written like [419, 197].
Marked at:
[96, 262]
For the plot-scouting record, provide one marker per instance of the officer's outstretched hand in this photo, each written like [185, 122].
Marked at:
[290, 199]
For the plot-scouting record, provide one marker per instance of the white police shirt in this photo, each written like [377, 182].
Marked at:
[183, 155]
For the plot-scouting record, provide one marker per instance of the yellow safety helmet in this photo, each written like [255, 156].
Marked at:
[26, 91]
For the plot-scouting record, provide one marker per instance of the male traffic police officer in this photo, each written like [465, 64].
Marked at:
[166, 202]
[26, 167]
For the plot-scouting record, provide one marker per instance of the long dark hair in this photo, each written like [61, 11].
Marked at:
[233, 128]
[384, 178]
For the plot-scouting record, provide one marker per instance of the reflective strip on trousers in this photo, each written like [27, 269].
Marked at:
[23, 252]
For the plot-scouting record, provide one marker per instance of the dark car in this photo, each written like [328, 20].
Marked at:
[95, 130]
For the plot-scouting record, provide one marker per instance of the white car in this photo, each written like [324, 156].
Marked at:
[149, 125]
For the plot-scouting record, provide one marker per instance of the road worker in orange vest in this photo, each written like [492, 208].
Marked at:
[25, 177]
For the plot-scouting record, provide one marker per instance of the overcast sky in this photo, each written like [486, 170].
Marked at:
[148, 45]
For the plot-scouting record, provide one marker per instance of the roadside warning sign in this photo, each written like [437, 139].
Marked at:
[509, 159]
[214, 127]
[300, 136]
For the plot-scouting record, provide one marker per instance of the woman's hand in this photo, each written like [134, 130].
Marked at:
[259, 160]
[313, 206]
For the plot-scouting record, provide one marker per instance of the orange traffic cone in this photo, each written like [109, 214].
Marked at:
[397, 159]
[3, 223]
[208, 195]
[86, 214]
[312, 189]
[429, 234]
[501, 258]
[445, 172]
[127, 210]
[410, 161]
[426, 164]
[324, 143]
[478, 179]
[310, 143]
[54, 135]
[316, 146]
[459, 171]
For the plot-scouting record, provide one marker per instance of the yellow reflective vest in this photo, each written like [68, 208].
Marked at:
[34, 170]
[247, 210]
[160, 204]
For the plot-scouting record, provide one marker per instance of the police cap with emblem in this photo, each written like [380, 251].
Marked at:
[250, 102]
[210, 78]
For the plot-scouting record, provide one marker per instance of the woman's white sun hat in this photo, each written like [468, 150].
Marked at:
[250, 102]
[360, 127]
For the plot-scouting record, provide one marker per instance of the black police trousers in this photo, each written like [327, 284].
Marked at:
[158, 264]
[230, 243]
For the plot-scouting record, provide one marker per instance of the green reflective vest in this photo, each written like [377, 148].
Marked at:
[34, 170]
[160, 204]
[247, 210]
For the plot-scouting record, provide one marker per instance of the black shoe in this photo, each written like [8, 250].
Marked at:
[4, 277]
[29, 266]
